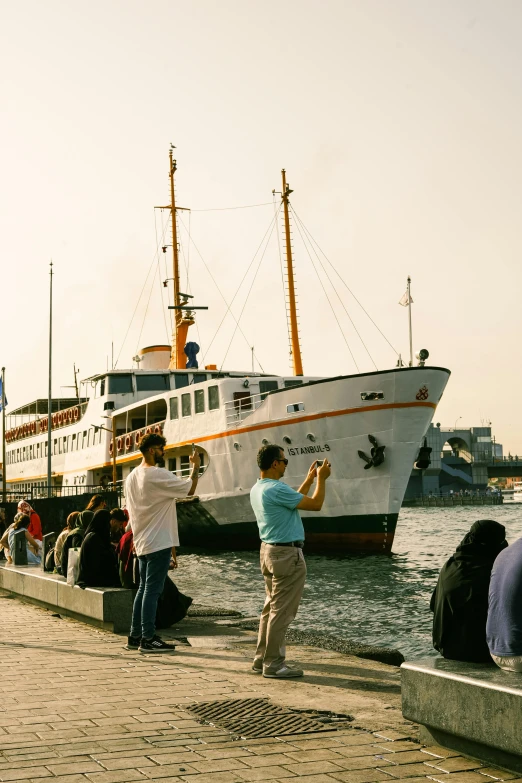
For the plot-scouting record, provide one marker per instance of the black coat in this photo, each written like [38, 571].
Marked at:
[460, 600]
[98, 564]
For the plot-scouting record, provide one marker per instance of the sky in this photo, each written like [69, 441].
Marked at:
[398, 123]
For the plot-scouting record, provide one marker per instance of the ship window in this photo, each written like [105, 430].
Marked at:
[45, 455]
[120, 384]
[174, 408]
[185, 465]
[213, 398]
[172, 464]
[295, 407]
[199, 377]
[157, 383]
[267, 386]
[65, 446]
[102, 387]
[372, 395]
[30, 452]
[185, 405]
[292, 382]
[73, 442]
[24, 453]
[199, 401]
[181, 380]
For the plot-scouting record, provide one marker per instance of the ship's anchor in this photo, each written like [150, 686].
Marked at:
[423, 458]
[377, 454]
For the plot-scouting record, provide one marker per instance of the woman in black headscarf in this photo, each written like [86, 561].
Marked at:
[460, 600]
[98, 564]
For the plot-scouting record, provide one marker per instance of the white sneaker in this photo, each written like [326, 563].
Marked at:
[283, 673]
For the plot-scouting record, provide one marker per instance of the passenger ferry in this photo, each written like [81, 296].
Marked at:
[368, 425]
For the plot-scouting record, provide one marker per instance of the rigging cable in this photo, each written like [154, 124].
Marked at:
[273, 224]
[224, 209]
[298, 224]
[186, 262]
[137, 304]
[159, 281]
[223, 297]
[327, 297]
[147, 307]
[312, 240]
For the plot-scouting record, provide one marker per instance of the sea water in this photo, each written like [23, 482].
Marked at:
[375, 599]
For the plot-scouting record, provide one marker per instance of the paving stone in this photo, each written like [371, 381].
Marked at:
[223, 753]
[362, 776]
[411, 771]
[355, 751]
[409, 756]
[457, 777]
[265, 773]
[265, 761]
[19, 774]
[167, 770]
[497, 774]
[311, 767]
[455, 764]
[115, 776]
[213, 777]
[76, 766]
[134, 762]
[438, 752]
[392, 734]
[397, 747]
[218, 765]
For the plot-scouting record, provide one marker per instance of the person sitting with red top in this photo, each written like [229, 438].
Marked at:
[35, 525]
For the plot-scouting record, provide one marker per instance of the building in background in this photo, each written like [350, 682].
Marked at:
[460, 459]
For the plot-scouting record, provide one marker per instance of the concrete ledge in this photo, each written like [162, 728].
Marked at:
[106, 607]
[473, 708]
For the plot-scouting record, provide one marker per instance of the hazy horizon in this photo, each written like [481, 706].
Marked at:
[398, 124]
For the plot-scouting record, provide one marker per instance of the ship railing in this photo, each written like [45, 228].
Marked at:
[238, 409]
[129, 442]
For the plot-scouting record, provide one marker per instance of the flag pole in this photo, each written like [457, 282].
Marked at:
[4, 485]
[50, 394]
[409, 321]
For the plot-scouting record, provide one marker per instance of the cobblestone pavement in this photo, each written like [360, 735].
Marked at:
[79, 708]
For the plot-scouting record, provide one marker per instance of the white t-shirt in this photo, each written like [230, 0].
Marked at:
[151, 494]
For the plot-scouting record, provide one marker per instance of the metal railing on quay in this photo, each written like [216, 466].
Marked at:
[41, 492]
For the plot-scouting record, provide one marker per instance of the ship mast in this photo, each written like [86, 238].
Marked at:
[294, 332]
[182, 317]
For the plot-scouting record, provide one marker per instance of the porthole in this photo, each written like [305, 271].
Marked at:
[311, 437]
[265, 442]
[237, 446]
[286, 439]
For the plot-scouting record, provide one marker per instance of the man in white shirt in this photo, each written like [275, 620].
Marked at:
[151, 493]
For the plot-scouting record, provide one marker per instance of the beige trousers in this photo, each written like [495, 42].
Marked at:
[284, 570]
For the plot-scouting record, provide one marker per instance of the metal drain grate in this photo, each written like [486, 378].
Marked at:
[255, 718]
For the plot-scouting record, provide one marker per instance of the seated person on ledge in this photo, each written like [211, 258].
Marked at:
[34, 553]
[460, 601]
[98, 564]
[72, 520]
[504, 627]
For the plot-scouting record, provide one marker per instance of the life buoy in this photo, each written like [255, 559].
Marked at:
[128, 442]
[54, 419]
[60, 418]
[157, 429]
[76, 413]
[111, 448]
[33, 427]
[119, 444]
[69, 415]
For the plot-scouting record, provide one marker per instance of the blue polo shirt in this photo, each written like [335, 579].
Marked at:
[274, 505]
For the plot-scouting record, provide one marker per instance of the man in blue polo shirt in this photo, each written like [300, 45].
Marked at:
[275, 506]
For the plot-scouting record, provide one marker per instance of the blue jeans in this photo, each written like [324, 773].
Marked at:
[153, 572]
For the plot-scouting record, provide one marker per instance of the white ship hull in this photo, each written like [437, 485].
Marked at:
[320, 418]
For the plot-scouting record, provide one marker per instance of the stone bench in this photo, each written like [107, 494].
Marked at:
[106, 607]
[472, 708]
